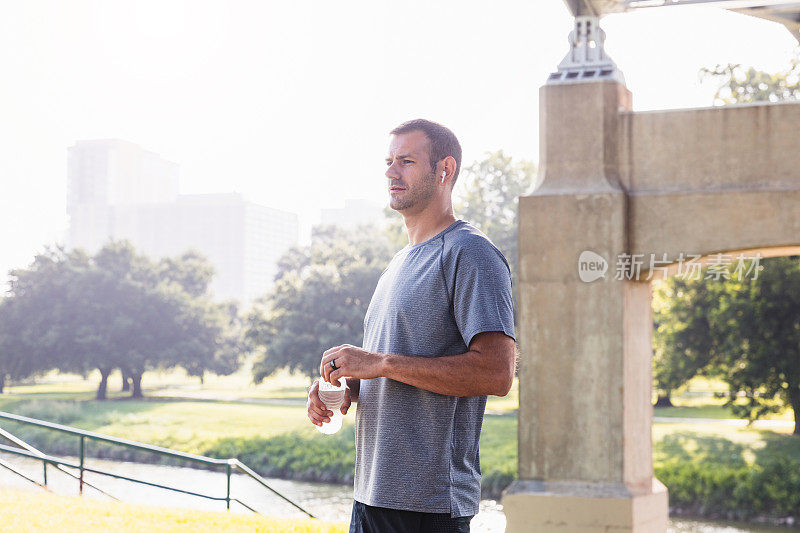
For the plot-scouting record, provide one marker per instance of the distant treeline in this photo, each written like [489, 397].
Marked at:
[117, 309]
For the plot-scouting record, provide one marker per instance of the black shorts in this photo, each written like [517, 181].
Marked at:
[368, 519]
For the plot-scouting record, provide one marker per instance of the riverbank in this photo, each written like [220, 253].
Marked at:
[21, 512]
[286, 450]
[329, 502]
[713, 469]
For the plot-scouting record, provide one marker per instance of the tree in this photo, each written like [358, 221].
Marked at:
[117, 309]
[212, 333]
[40, 318]
[162, 315]
[191, 270]
[15, 361]
[488, 197]
[219, 346]
[683, 341]
[759, 331]
[739, 84]
[319, 300]
[396, 230]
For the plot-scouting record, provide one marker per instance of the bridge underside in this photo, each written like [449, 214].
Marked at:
[786, 12]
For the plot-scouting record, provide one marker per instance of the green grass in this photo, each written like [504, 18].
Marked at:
[697, 399]
[498, 451]
[694, 411]
[24, 511]
[722, 445]
[266, 426]
[169, 383]
[190, 426]
[728, 472]
[171, 416]
[709, 408]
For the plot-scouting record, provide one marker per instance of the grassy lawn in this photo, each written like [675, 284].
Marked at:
[697, 399]
[709, 408]
[190, 425]
[169, 383]
[21, 511]
[179, 412]
[224, 416]
[266, 426]
[722, 445]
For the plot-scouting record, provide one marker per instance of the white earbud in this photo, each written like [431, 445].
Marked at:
[443, 175]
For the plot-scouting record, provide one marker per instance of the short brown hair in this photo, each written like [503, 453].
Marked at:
[442, 141]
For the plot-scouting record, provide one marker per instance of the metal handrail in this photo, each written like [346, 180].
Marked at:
[22, 444]
[229, 464]
[20, 474]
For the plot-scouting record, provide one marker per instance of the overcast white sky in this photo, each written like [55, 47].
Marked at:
[290, 102]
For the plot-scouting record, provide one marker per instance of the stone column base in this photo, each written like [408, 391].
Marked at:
[573, 507]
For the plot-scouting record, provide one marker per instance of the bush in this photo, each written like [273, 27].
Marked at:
[74, 413]
[58, 412]
[769, 490]
[295, 455]
[330, 459]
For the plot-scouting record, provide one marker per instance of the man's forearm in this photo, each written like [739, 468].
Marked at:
[468, 374]
[487, 368]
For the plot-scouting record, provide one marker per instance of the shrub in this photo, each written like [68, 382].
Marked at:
[771, 489]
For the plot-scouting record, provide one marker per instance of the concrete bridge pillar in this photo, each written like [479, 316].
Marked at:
[585, 461]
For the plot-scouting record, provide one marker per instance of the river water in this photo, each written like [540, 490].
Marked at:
[328, 502]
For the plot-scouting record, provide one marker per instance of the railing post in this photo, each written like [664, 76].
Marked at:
[228, 494]
[80, 490]
[44, 464]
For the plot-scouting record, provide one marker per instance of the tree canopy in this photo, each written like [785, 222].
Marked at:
[319, 299]
[683, 341]
[739, 84]
[488, 197]
[116, 309]
[759, 335]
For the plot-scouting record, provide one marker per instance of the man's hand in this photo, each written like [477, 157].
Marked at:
[351, 361]
[317, 412]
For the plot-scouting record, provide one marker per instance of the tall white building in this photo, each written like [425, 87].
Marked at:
[118, 190]
[353, 213]
[115, 172]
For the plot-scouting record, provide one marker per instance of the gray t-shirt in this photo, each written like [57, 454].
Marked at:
[418, 450]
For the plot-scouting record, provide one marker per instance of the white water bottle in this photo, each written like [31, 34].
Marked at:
[333, 398]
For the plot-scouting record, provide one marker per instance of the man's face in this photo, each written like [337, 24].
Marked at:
[412, 183]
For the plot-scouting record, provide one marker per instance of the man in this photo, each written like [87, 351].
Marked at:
[438, 338]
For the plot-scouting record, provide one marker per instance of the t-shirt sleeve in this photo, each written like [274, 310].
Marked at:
[479, 281]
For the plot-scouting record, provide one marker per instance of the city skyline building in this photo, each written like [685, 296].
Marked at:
[354, 213]
[118, 190]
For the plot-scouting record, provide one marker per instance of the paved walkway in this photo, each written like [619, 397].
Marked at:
[766, 424]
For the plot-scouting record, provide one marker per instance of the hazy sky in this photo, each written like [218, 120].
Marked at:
[290, 102]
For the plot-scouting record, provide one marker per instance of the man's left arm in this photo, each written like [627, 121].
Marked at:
[487, 368]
